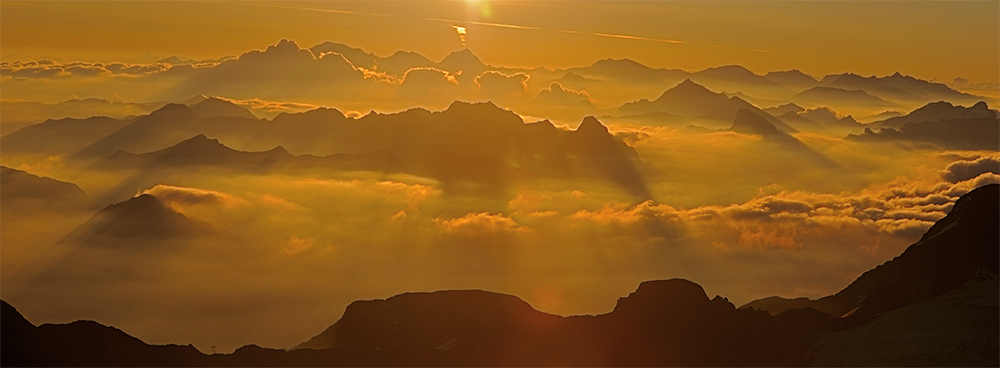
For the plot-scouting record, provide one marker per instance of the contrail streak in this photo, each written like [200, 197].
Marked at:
[487, 24]
[627, 37]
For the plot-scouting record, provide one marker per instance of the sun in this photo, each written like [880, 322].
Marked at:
[478, 9]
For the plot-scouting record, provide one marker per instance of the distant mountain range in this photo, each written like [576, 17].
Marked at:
[941, 125]
[467, 143]
[25, 193]
[335, 74]
[693, 101]
[663, 323]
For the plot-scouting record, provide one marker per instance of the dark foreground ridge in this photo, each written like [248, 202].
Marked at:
[662, 323]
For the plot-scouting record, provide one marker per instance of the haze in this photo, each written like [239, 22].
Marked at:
[318, 153]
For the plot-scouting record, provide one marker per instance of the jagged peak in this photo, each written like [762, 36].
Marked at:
[748, 122]
[285, 44]
[657, 294]
[142, 202]
[463, 55]
[174, 110]
[622, 61]
[690, 85]
[591, 125]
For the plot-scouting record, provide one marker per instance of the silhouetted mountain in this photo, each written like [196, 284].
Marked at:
[747, 122]
[662, 323]
[141, 218]
[81, 343]
[61, 138]
[899, 88]
[356, 56]
[961, 134]
[738, 78]
[784, 109]
[882, 116]
[151, 130]
[401, 61]
[311, 132]
[821, 119]
[825, 96]
[464, 61]
[687, 99]
[792, 79]
[629, 71]
[28, 112]
[216, 107]
[937, 111]
[959, 328]
[171, 124]
[949, 254]
[200, 151]
[477, 143]
[24, 193]
[691, 100]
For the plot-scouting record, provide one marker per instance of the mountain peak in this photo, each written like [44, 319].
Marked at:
[174, 111]
[663, 294]
[747, 122]
[141, 204]
[624, 62]
[217, 107]
[592, 126]
[199, 140]
[133, 221]
[689, 89]
[284, 45]
[462, 60]
[689, 85]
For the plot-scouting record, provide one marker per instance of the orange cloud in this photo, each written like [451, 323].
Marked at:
[477, 224]
[181, 196]
[497, 84]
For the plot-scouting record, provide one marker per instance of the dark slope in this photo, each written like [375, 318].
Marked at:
[480, 144]
[198, 151]
[792, 79]
[899, 88]
[959, 329]
[215, 107]
[141, 218]
[311, 132]
[937, 111]
[61, 137]
[23, 193]
[824, 96]
[952, 252]
[82, 343]
[738, 78]
[748, 122]
[629, 71]
[663, 323]
[693, 101]
[961, 134]
[169, 125]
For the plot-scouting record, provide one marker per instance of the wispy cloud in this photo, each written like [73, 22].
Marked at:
[627, 37]
[487, 24]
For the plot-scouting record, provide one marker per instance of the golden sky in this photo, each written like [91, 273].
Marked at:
[924, 39]
[745, 214]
